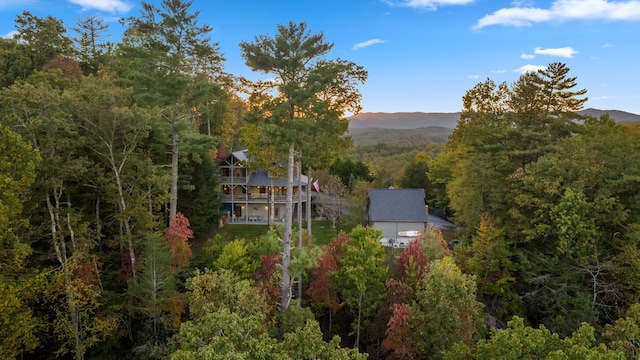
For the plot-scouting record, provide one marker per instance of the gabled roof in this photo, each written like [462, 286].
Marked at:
[260, 178]
[241, 155]
[397, 205]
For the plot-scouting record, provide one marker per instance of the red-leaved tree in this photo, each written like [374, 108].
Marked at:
[398, 344]
[267, 279]
[176, 236]
[412, 264]
[322, 290]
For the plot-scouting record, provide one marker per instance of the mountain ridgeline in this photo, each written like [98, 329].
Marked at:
[438, 121]
[388, 141]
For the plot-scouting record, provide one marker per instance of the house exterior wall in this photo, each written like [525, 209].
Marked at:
[390, 229]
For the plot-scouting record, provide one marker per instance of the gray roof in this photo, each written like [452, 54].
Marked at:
[241, 155]
[260, 178]
[397, 205]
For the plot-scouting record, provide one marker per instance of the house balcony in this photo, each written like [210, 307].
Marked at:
[258, 198]
[237, 180]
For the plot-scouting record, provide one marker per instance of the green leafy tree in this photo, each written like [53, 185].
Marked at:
[229, 321]
[235, 256]
[503, 129]
[623, 335]
[415, 174]
[18, 162]
[37, 110]
[521, 157]
[14, 62]
[350, 170]
[211, 290]
[361, 274]
[488, 257]
[567, 273]
[79, 324]
[43, 39]
[358, 200]
[445, 311]
[519, 341]
[114, 129]
[306, 343]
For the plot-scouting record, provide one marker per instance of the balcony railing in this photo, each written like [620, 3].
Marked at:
[233, 179]
[258, 198]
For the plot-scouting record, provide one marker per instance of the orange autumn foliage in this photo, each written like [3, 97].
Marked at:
[176, 236]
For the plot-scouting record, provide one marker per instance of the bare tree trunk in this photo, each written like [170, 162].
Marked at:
[122, 204]
[173, 201]
[299, 168]
[309, 188]
[98, 223]
[359, 320]
[286, 251]
[61, 253]
[272, 205]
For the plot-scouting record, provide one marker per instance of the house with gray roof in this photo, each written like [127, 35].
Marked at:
[399, 213]
[253, 196]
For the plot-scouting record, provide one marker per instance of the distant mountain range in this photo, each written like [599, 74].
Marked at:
[416, 120]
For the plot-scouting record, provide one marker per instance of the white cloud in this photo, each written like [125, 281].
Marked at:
[501, 71]
[364, 44]
[522, 3]
[9, 35]
[112, 6]
[565, 52]
[473, 77]
[429, 4]
[527, 56]
[605, 46]
[529, 68]
[564, 10]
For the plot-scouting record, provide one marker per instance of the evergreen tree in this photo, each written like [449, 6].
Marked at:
[312, 96]
[168, 58]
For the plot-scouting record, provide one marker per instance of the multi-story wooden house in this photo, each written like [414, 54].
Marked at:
[252, 196]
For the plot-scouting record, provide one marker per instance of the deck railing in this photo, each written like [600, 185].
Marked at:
[257, 198]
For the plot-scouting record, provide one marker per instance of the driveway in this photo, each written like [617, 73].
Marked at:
[440, 222]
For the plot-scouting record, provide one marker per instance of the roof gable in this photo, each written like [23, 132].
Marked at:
[261, 178]
[399, 205]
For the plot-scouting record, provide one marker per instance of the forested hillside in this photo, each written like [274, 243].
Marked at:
[388, 141]
[108, 179]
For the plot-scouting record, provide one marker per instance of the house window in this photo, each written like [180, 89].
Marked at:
[226, 172]
[262, 189]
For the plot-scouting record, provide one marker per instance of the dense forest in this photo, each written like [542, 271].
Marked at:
[108, 181]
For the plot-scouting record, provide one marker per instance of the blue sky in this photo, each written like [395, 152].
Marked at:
[421, 55]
